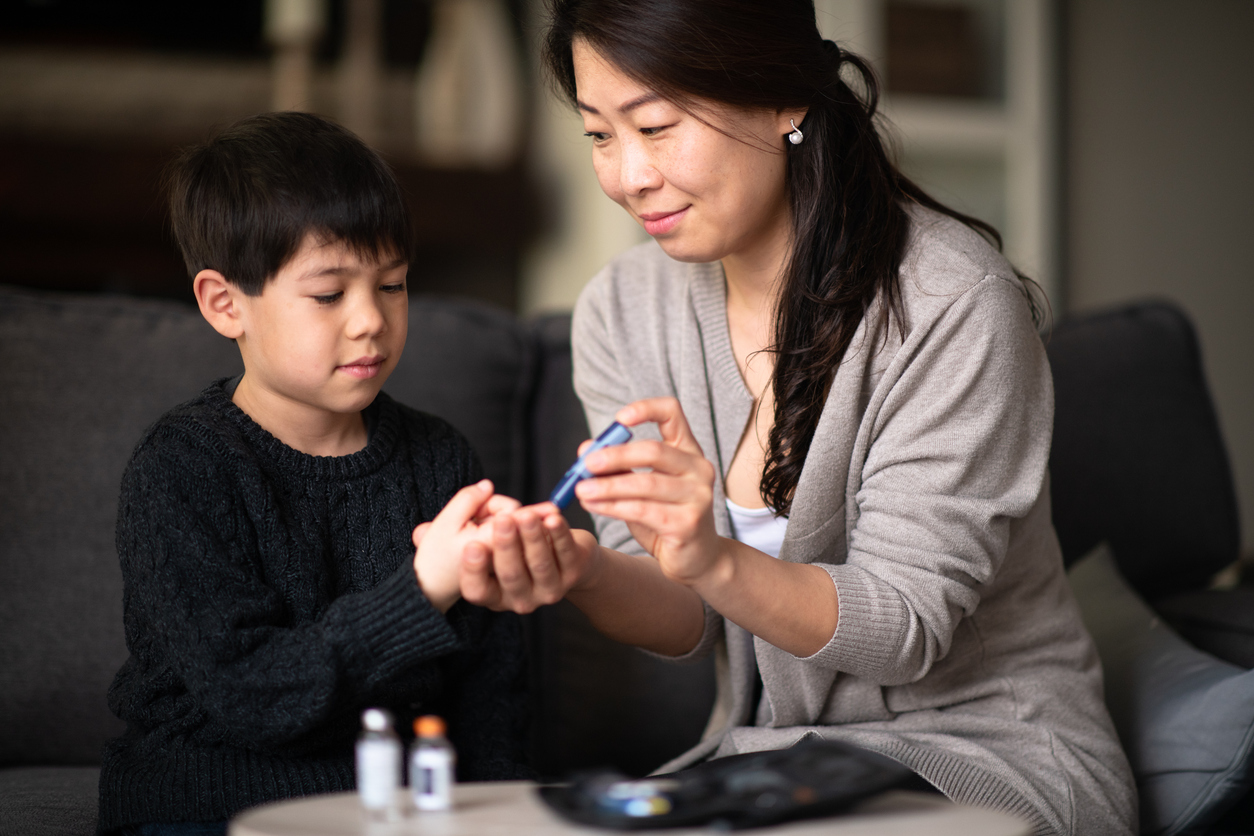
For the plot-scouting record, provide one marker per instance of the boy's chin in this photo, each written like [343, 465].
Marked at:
[362, 396]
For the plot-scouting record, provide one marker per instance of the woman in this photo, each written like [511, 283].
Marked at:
[846, 491]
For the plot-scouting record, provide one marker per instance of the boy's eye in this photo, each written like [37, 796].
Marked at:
[398, 287]
[329, 298]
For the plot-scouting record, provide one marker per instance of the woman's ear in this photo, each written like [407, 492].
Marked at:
[219, 303]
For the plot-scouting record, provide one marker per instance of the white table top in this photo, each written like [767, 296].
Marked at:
[512, 808]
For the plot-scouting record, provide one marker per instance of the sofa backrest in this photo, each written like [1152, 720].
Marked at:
[1138, 459]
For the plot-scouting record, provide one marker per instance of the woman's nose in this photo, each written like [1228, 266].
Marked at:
[637, 171]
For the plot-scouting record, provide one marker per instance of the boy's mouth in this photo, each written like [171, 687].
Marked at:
[363, 368]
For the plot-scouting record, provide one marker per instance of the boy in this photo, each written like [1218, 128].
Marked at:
[267, 528]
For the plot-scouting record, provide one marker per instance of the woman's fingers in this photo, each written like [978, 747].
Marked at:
[652, 485]
[669, 417]
[656, 455]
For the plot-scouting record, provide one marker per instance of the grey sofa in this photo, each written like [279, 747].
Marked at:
[80, 378]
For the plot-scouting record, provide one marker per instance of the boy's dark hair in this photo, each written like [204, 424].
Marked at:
[243, 202]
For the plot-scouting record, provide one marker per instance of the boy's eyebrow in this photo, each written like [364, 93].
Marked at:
[639, 101]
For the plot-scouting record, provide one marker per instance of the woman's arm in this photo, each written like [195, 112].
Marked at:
[664, 492]
[653, 602]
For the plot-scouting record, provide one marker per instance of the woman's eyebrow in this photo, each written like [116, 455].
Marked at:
[625, 108]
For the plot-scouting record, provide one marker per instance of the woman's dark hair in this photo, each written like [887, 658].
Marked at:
[847, 198]
[243, 202]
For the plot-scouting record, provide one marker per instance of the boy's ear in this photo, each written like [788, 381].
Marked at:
[219, 303]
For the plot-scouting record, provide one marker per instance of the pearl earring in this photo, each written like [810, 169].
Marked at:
[796, 136]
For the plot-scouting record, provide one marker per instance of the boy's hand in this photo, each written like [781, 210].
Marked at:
[532, 558]
[439, 544]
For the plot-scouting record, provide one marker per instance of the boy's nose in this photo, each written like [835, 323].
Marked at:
[366, 320]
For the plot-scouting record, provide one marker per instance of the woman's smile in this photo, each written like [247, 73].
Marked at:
[660, 223]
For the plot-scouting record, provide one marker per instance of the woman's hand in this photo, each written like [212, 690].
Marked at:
[669, 507]
[439, 544]
[531, 558]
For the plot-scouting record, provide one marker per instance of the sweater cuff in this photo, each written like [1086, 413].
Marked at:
[870, 627]
[393, 627]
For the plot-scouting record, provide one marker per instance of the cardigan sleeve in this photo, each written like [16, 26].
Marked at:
[198, 601]
[958, 451]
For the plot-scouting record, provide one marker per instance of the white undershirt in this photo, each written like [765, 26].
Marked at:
[757, 527]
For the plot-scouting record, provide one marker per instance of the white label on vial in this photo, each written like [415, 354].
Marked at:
[378, 773]
[433, 779]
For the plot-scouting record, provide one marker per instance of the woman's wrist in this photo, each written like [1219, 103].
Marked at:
[720, 570]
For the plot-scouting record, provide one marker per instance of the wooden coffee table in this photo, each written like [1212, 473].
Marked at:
[511, 808]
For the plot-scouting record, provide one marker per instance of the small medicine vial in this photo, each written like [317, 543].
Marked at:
[431, 765]
[378, 765]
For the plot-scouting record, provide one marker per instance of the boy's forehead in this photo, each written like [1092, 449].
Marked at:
[320, 254]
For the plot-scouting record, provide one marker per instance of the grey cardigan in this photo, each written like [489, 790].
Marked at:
[959, 650]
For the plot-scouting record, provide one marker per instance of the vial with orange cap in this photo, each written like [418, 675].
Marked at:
[431, 765]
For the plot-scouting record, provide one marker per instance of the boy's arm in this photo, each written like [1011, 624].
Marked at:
[197, 602]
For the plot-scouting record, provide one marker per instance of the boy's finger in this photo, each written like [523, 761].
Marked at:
[463, 506]
[507, 559]
[565, 549]
[542, 565]
[501, 504]
[420, 532]
[475, 576]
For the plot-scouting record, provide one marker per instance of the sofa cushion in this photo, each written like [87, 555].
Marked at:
[1186, 719]
[49, 801]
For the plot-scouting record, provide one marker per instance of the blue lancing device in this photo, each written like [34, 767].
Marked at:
[615, 433]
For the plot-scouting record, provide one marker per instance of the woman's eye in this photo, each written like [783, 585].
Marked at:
[329, 298]
[651, 131]
[597, 136]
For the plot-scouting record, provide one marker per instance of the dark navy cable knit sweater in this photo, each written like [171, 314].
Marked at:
[270, 596]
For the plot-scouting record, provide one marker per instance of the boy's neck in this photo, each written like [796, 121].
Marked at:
[313, 431]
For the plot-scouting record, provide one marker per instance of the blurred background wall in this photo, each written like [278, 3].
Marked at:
[1107, 139]
[1159, 181]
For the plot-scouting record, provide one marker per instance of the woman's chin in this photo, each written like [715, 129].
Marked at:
[680, 250]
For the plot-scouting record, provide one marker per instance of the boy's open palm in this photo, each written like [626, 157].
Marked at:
[440, 543]
[533, 558]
